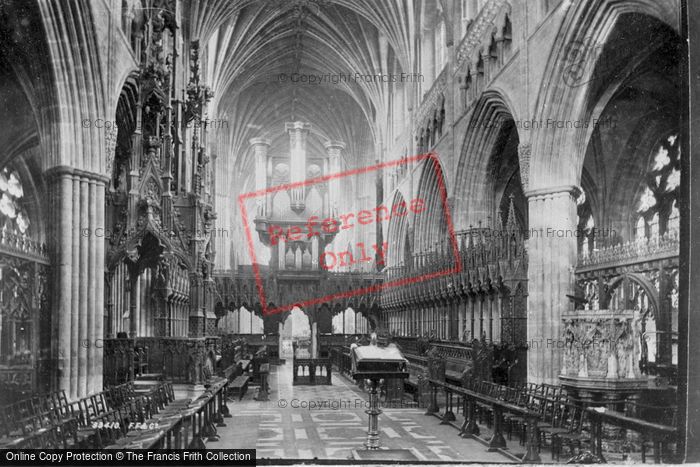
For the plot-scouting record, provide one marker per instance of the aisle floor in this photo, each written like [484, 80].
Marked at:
[335, 424]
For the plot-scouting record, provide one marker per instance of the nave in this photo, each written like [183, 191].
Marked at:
[313, 409]
[491, 198]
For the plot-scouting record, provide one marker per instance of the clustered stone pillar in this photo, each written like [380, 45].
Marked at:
[334, 149]
[260, 148]
[552, 257]
[77, 201]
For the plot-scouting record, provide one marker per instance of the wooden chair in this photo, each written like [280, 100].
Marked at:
[169, 391]
[98, 404]
[511, 421]
[661, 414]
[562, 423]
[575, 436]
[87, 435]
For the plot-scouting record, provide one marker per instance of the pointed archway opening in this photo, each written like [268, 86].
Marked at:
[295, 328]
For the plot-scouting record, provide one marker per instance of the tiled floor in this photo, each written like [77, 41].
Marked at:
[286, 427]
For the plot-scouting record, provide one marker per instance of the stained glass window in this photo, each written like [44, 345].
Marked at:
[13, 215]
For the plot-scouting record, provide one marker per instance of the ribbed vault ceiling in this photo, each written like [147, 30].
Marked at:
[257, 45]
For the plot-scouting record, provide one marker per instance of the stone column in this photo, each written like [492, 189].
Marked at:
[490, 306]
[472, 318]
[62, 226]
[197, 316]
[92, 307]
[552, 257]
[73, 345]
[478, 316]
[82, 303]
[144, 308]
[457, 318]
[99, 285]
[423, 320]
[133, 301]
[496, 312]
[77, 284]
[448, 320]
[260, 148]
[333, 148]
[444, 319]
[314, 340]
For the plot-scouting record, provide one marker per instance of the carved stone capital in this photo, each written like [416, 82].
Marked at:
[259, 141]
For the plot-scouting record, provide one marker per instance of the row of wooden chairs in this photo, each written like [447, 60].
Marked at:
[28, 415]
[119, 394]
[561, 421]
[50, 421]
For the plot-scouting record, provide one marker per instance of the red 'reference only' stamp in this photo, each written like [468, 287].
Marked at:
[314, 228]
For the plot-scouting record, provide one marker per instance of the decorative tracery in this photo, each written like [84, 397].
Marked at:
[585, 231]
[657, 203]
[13, 215]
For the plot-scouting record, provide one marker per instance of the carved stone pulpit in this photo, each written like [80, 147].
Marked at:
[600, 352]
[374, 363]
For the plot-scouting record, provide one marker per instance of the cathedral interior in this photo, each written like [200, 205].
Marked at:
[216, 215]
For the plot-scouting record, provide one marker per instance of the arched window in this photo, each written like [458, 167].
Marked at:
[656, 206]
[470, 10]
[440, 47]
[649, 329]
[466, 15]
[674, 295]
[585, 232]
[13, 215]
[674, 218]
[654, 225]
[641, 229]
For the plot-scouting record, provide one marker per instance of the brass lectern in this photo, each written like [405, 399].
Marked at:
[374, 363]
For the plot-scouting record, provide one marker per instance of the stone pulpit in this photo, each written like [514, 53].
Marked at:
[600, 352]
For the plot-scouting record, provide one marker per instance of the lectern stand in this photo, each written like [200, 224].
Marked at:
[264, 384]
[375, 363]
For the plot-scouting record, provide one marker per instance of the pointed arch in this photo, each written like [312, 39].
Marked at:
[570, 88]
[398, 232]
[430, 226]
[491, 133]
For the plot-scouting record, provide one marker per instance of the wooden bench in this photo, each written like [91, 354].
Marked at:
[456, 358]
[660, 435]
[229, 372]
[412, 383]
[454, 369]
[499, 406]
[239, 385]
